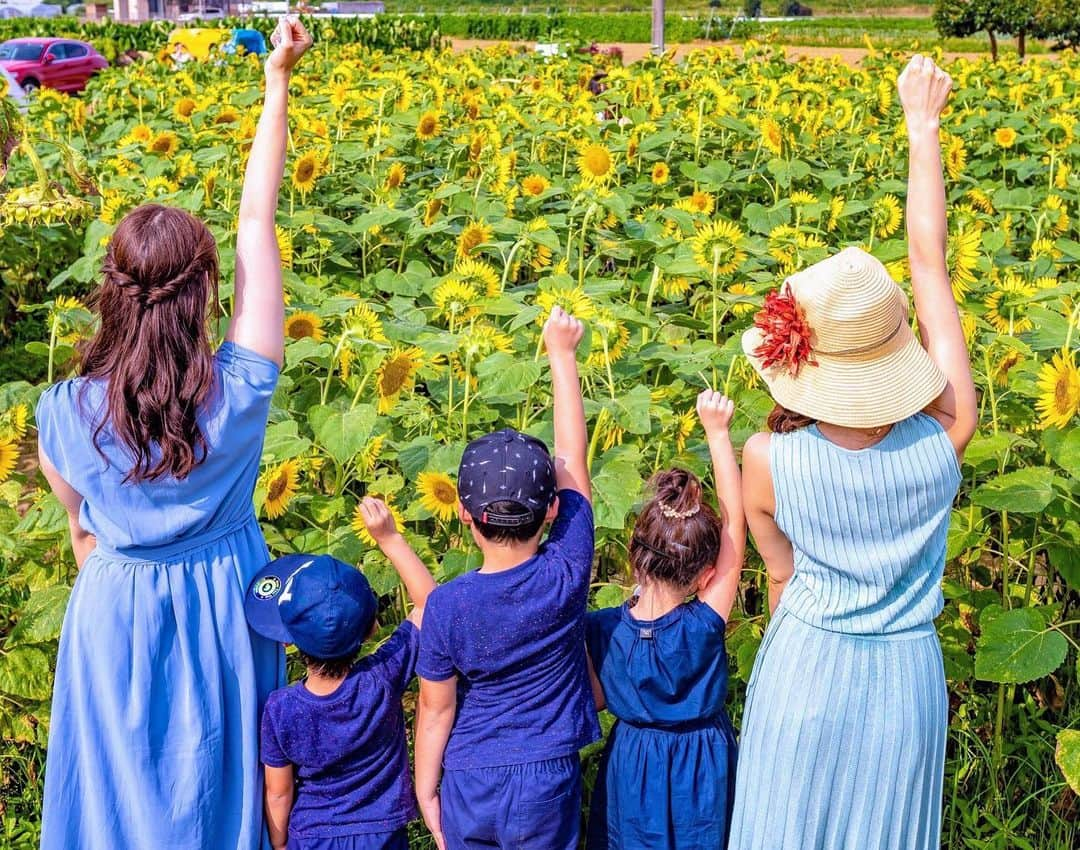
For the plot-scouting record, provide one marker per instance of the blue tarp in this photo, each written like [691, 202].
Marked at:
[251, 40]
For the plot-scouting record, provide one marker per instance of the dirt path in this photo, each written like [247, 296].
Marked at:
[635, 51]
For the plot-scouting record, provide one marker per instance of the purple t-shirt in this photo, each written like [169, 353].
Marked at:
[516, 641]
[348, 748]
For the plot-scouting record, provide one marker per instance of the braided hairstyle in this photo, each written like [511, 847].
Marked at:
[677, 534]
[152, 347]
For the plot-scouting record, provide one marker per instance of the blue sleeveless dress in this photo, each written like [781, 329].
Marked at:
[843, 739]
[159, 682]
[667, 771]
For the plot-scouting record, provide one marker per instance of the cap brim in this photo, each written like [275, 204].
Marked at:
[862, 392]
[261, 609]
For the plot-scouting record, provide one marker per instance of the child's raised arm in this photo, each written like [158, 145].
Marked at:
[258, 321]
[715, 411]
[562, 333]
[415, 575]
[924, 91]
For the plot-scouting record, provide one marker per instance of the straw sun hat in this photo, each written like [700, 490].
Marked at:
[835, 344]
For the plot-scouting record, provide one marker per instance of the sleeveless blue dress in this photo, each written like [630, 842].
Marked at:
[159, 682]
[843, 739]
[667, 771]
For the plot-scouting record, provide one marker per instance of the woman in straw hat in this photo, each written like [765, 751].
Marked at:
[843, 741]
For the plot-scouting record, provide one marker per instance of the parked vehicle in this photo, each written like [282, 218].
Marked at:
[57, 63]
[206, 13]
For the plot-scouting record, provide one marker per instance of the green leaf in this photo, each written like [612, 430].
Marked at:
[41, 616]
[24, 673]
[1064, 448]
[1025, 491]
[1016, 646]
[616, 486]
[342, 434]
[631, 409]
[504, 376]
[283, 442]
[1067, 756]
[611, 595]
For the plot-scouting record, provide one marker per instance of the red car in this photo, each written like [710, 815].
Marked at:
[59, 63]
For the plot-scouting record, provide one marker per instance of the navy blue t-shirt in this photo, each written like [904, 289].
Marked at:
[348, 747]
[516, 641]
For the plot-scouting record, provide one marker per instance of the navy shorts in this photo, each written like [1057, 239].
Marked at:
[535, 806]
[396, 840]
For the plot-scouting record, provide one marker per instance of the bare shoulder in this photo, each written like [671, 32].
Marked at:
[755, 453]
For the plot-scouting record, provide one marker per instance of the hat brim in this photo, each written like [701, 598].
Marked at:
[856, 392]
[260, 608]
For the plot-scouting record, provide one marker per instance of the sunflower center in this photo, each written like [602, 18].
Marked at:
[597, 162]
[277, 486]
[304, 170]
[394, 376]
[300, 328]
[444, 493]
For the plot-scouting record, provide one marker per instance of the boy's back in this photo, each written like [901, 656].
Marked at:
[516, 641]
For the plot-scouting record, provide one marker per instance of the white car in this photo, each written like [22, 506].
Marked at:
[14, 90]
[207, 13]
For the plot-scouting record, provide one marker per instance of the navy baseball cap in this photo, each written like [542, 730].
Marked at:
[325, 607]
[506, 466]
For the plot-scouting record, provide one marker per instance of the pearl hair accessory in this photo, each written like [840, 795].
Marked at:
[671, 513]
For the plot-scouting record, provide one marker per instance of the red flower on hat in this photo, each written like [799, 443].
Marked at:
[786, 334]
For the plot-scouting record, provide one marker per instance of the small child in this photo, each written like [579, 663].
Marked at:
[505, 697]
[667, 774]
[333, 745]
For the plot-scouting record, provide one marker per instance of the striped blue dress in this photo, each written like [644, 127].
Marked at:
[843, 739]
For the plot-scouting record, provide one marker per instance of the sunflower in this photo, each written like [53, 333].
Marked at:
[473, 235]
[482, 339]
[282, 484]
[1005, 137]
[609, 340]
[674, 288]
[573, 301]
[886, 216]
[285, 245]
[15, 421]
[479, 275]
[701, 202]
[772, 137]
[595, 164]
[1059, 392]
[140, 134]
[685, 423]
[535, 185]
[1057, 216]
[431, 211]
[361, 529]
[955, 157]
[304, 324]
[396, 374]
[437, 494]
[962, 255]
[980, 200]
[660, 173]
[158, 186]
[9, 456]
[369, 455]
[455, 299]
[364, 323]
[165, 143]
[395, 176]
[184, 108]
[305, 171]
[1006, 306]
[227, 115]
[836, 206]
[741, 291]
[716, 247]
[801, 198]
[428, 126]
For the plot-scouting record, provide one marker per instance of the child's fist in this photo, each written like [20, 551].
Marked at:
[715, 411]
[924, 91]
[378, 519]
[562, 332]
[291, 40]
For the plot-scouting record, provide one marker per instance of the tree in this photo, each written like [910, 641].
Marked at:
[961, 18]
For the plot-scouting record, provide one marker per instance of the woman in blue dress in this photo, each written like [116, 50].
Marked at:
[666, 775]
[154, 451]
[843, 739]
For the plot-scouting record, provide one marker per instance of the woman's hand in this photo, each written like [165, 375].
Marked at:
[715, 410]
[924, 91]
[291, 40]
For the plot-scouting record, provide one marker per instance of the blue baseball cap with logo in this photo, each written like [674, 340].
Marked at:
[325, 607]
[506, 466]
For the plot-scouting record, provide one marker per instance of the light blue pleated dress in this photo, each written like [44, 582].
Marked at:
[159, 682]
[843, 738]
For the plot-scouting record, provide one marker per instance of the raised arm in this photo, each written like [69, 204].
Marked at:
[924, 91]
[715, 411]
[414, 574]
[258, 320]
[562, 333]
[760, 504]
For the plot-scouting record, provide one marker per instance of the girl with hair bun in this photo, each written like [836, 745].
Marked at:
[658, 662]
[154, 451]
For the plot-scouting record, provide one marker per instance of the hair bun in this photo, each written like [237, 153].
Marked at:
[678, 493]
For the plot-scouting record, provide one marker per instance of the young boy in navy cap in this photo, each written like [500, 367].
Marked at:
[333, 745]
[505, 699]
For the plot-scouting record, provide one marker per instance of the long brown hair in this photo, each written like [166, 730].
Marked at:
[153, 345]
[677, 535]
[784, 421]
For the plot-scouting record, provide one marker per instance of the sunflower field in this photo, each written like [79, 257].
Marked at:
[437, 206]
